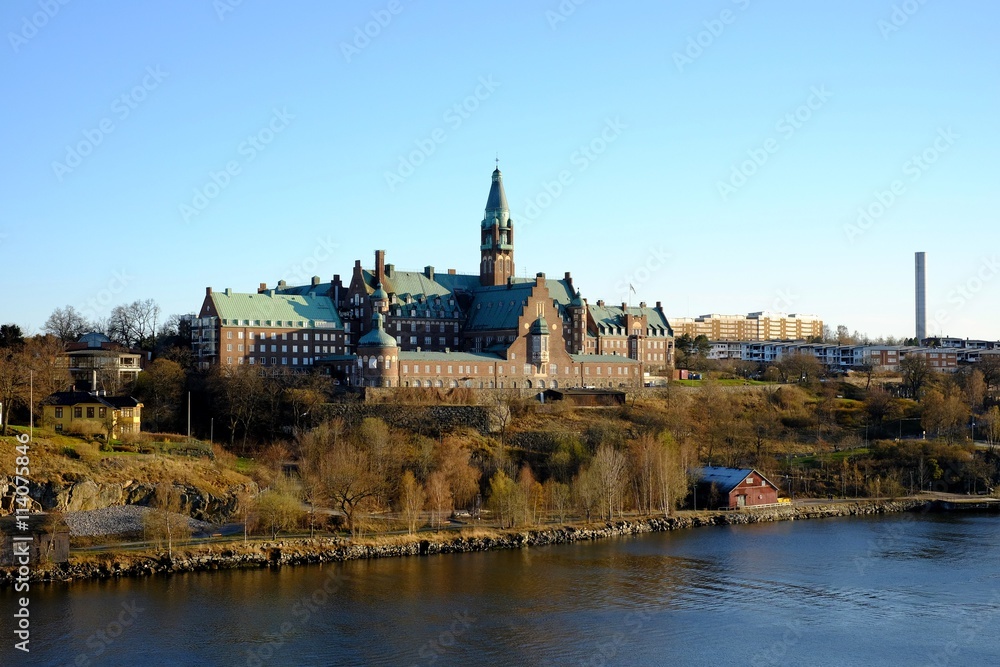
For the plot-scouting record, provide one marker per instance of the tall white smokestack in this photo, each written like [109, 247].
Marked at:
[921, 276]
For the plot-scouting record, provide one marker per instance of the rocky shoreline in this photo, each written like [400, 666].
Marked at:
[325, 550]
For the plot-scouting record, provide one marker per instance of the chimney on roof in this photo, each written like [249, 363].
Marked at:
[569, 279]
[229, 291]
[208, 291]
[315, 280]
[659, 305]
[282, 284]
[389, 268]
[600, 303]
[451, 272]
[262, 288]
[379, 265]
[429, 272]
[624, 306]
[642, 304]
[93, 381]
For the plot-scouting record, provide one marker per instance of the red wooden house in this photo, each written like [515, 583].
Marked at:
[732, 488]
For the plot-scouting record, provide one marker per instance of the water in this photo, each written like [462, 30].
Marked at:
[897, 590]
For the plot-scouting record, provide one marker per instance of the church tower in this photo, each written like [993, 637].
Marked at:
[497, 248]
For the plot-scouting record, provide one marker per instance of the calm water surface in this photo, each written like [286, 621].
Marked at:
[898, 590]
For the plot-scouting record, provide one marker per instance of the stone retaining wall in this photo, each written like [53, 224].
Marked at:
[326, 550]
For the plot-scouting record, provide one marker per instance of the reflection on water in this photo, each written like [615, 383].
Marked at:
[892, 590]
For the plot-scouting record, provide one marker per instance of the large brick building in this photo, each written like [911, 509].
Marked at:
[396, 328]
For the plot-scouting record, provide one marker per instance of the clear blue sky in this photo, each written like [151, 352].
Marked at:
[160, 95]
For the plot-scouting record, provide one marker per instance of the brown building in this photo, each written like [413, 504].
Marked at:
[394, 328]
[266, 329]
[761, 325]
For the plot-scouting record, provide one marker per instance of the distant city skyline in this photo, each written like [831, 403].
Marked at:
[729, 158]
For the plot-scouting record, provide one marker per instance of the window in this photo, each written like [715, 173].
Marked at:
[240, 347]
[240, 335]
[284, 361]
[250, 335]
[229, 347]
[295, 348]
[59, 413]
[263, 361]
[295, 361]
[229, 361]
[284, 348]
[102, 412]
[274, 360]
[229, 335]
[295, 336]
[77, 413]
[305, 336]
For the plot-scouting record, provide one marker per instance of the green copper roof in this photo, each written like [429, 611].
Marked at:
[611, 318]
[497, 199]
[270, 309]
[377, 337]
[539, 327]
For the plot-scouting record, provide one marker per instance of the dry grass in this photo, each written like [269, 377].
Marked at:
[64, 459]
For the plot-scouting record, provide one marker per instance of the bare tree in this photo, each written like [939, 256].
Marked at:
[587, 491]
[559, 497]
[411, 500]
[66, 324]
[506, 500]
[916, 374]
[610, 467]
[279, 507]
[134, 324]
[439, 498]
[13, 383]
[165, 523]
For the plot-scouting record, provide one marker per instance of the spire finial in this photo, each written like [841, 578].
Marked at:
[498, 161]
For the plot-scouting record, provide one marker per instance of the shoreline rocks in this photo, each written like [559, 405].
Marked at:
[301, 551]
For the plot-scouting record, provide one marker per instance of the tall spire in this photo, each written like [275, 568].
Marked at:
[497, 236]
[496, 203]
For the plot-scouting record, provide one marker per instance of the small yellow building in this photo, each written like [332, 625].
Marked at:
[86, 413]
